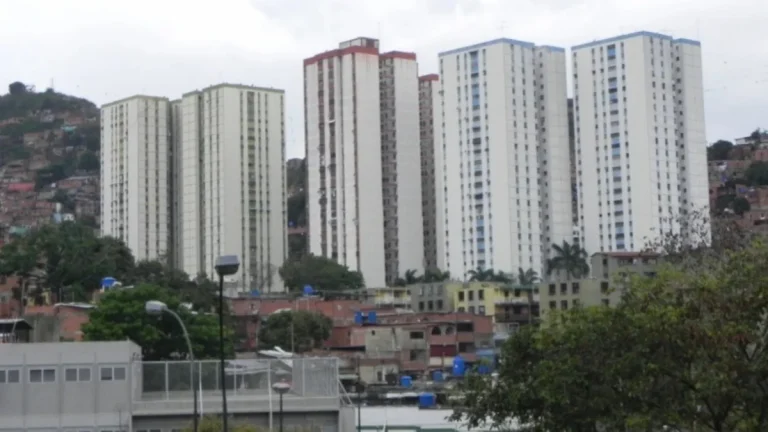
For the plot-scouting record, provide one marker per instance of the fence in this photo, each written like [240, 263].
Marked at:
[173, 380]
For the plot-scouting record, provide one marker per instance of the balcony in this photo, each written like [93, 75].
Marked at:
[521, 318]
[165, 388]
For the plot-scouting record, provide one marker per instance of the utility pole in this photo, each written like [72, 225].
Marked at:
[359, 397]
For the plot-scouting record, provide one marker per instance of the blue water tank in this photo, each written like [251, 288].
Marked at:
[255, 293]
[427, 400]
[459, 366]
[358, 318]
[437, 375]
[107, 282]
[406, 381]
[372, 317]
[308, 291]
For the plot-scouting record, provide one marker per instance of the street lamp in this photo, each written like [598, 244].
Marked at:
[281, 388]
[156, 307]
[226, 265]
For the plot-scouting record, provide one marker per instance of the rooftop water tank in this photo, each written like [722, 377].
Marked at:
[427, 400]
[459, 366]
[406, 381]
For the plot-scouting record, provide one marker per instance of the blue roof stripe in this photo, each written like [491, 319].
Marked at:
[634, 35]
[488, 43]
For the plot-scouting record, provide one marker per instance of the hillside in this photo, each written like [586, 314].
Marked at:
[49, 155]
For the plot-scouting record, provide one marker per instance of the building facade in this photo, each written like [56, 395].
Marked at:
[501, 153]
[232, 183]
[640, 138]
[135, 176]
[603, 286]
[105, 387]
[362, 148]
[428, 91]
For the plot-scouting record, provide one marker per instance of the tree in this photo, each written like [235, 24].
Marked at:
[488, 275]
[684, 350]
[527, 277]
[70, 255]
[436, 275]
[297, 331]
[121, 315]
[410, 277]
[17, 88]
[569, 258]
[741, 205]
[88, 162]
[757, 173]
[201, 292]
[719, 150]
[323, 274]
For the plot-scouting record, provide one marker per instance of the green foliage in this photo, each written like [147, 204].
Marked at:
[29, 125]
[685, 350]
[297, 246]
[52, 174]
[489, 275]
[757, 173]
[89, 161]
[719, 150]
[527, 277]
[298, 331]
[71, 255]
[121, 315]
[214, 424]
[324, 274]
[436, 275]
[17, 88]
[201, 292]
[569, 258]
[18, 103]
[731, 203]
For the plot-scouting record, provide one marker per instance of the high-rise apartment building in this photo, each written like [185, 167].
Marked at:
[363, 164]
[135, 189]
[197, 178]
[501, 155]
[640, 138]
[232, 182]
[428, 90]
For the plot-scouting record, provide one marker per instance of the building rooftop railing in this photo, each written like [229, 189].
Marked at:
[173, 380]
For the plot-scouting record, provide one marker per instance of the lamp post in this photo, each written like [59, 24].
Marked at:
[155, 307]
[281, 388]
[226, 265]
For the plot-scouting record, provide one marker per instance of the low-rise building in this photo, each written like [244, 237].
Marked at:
[105, 386]
[431, 297]
[602, 286]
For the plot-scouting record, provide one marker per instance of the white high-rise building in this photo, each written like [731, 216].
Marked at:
[231, 187]
[135, 192]
[640, 138]
[363, 164]
[501, 156]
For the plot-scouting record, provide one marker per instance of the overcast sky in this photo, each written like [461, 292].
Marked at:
[109, 49]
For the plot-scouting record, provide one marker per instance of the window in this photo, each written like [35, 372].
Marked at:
[481, 310]
[471, 295]
[113, 374]
[42, 375]
[481, 294]
[551, 289]
[606, 302]
[461, 295]
[77, 374]
[417, 335]
[575, 287]
[9, 376]
[603, 287]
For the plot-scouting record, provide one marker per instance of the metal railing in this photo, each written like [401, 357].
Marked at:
[173, 380]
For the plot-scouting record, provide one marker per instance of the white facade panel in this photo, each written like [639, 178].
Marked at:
[135, 150]
[495, 201]
[631, 170]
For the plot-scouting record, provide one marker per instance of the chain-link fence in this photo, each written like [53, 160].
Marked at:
[174, 380]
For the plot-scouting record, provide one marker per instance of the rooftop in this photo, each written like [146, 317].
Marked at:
[635, 35]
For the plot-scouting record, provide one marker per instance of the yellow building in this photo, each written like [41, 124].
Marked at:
[399, 297]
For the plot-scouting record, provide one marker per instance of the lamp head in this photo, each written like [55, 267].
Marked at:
[281, 387]
[227, 265]
[155, 307]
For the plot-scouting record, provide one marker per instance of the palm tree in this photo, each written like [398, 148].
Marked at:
[480, 275]
[411, 277]
[527, 277]
[570, 258]
[436, 275]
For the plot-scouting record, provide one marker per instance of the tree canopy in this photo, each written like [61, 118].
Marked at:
[569, 258]
[719, 150]
[323, 274]
[296, 331]
[71, 256]
[121, 315]
[686, 349]
[489, 275]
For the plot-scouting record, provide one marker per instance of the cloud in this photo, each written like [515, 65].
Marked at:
[106, 50]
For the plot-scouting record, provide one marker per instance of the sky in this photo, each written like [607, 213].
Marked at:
[106, 50]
